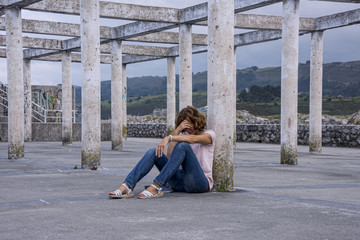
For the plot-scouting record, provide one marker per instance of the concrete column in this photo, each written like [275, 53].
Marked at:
[185, 56]
[234, 97]
[66, 98]
[124, 101]
[221, 89]
[116, 96]
[90, 61]
[27, 99]
[316, 71]
[14, 55]
[171, 100]
[289, 81]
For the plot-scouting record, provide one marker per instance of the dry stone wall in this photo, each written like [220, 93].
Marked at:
[332, 135]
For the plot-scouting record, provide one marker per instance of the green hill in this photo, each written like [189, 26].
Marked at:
[338, 79]
[149, 92]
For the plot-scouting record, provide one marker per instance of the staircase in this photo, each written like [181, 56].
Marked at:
[43, 108]
[3, 102]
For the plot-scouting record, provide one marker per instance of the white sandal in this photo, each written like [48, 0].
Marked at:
[117, 194]
[146, 194]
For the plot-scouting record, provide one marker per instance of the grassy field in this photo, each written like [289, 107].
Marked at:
[331, 106]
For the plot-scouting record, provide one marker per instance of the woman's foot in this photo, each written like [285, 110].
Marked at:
[123, 191]
[153, 191]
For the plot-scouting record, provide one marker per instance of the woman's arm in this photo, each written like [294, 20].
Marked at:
[202, 138]
[177, 131]
[189, 138]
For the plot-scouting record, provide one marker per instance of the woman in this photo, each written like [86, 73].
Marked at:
[187, 166]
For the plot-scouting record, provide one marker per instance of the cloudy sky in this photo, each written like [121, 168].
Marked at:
[339, 44]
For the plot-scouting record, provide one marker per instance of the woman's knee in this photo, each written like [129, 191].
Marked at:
[183, 145]
[151, 150]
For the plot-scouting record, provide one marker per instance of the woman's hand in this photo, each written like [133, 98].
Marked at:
[160, 149]
[184, 125]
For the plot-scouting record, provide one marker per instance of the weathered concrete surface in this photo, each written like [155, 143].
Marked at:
[90, 61]
[15, 80]
[220, 89]
[116, 95]
[112, 10]
[317, 199]
[316, 76]
[124, 101]
[266, 22]
[27, 100]
[170, 96]
[338, 20]
[289, 81]
[185, 61]
[66, 98]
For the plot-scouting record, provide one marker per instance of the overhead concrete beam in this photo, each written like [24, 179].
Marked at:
[159, 37]
[145, 50]
[104, 59]
[338, 20]
[32, 53]
[111, 10]
[71, 43]
[41, 43]
[75, 57]
[123, 32]
[128, 59]
[200, 12]
[266, 22]
[194, 13]
[175, 51]
[54, 28]
[15, 3]
[52, 44]
[159, 52]
[69, 29]
[135, 29]
[139, 50]
[256, 37]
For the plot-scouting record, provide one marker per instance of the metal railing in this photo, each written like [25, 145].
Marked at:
[45, 114]
[38, 113]
[3, 99]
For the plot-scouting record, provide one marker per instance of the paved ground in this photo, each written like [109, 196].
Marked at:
[44, 197]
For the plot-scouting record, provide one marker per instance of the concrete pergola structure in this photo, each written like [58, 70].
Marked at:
[102, 44]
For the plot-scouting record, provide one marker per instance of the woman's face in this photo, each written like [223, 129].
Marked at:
[190, 129]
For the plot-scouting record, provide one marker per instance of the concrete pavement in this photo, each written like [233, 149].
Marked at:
[47, 196]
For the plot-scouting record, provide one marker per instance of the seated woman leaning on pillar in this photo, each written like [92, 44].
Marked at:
[187, 165]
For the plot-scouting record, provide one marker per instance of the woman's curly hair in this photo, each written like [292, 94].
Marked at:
[194, 116]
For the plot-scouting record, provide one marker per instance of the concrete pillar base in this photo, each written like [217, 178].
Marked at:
[90, 159]
[288, 155]
[15, 151]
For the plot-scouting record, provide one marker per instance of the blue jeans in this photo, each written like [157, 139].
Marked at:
[189, 178]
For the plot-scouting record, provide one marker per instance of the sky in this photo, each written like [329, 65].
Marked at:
[339, 44]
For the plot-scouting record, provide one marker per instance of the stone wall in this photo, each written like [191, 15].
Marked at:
[333, 135]
[147, 130]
